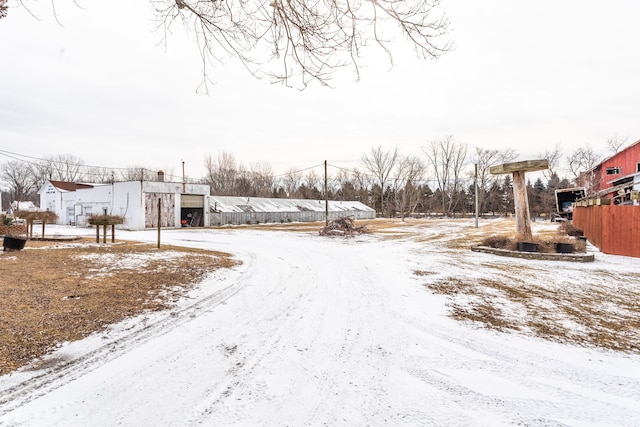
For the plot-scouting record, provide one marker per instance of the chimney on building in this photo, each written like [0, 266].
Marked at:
[160, 176]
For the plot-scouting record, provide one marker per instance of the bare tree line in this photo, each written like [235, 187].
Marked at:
[442, 181]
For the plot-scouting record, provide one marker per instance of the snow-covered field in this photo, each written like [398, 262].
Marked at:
[316, 331]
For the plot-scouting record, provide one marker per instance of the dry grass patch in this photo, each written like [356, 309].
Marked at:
[596, 317]
[56, 292]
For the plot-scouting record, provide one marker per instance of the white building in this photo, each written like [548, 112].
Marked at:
[181, 205]
[24, 206]
[137, 201]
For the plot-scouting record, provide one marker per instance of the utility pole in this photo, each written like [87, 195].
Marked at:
[326, 196]
[183, 182]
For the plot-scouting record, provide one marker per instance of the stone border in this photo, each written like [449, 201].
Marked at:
[55, 238]
[574, 257]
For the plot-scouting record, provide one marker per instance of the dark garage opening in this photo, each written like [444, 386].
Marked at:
[192, 217]
[191, 210]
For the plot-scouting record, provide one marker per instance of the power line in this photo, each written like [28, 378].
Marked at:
[86, 170]
[102, 172]
[91, 170]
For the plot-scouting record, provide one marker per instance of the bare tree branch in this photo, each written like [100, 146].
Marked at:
[615, 143]
[3, 8]
[553, 156]
[309, 38]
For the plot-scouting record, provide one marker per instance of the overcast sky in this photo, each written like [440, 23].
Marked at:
[524, 75]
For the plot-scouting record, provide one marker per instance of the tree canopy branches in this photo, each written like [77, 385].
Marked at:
[309, 39]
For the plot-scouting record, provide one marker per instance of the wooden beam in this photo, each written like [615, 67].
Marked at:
[524, 166]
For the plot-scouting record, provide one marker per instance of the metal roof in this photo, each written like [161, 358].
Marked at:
[260, 204]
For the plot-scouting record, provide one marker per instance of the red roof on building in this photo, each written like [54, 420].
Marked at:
[69, 186]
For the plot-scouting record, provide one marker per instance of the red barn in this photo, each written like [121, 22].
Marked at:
[617, 177]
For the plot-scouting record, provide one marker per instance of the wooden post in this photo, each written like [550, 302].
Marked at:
[113, 233]
[160, 217]
[326, 196]
[521, 203]
[43, 221]
[104, 229]
[97, 233]
[520, 199]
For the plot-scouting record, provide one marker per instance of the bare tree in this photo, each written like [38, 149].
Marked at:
[137, 173]
[409, 173]
[262, 179]
[221, 173]
[292, 180]
[18, 176]
[362, 186]
[582, 162]
[344, 186]
[553, 156]
[244, 183]
[381, 163]
[101, 175]
[60, 167]
[308, 39]
[313, 183]
[615, 143]
[488, 183]
[447, 158]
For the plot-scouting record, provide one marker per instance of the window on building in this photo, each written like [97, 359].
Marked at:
[638, 167]
[614, 171]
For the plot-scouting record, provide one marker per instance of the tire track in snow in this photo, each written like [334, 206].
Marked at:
[227, 404]
[244, 363]
[317, 335]
[454, 352]
[317, 351]
[67, 371]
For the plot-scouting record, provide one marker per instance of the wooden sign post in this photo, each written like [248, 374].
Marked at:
[520, 199]
[104, 221]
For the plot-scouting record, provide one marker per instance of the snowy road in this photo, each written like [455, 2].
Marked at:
[312, 331]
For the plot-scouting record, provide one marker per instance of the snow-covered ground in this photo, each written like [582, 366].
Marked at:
[316, 331]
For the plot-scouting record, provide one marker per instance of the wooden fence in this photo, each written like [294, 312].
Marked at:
[613, 229]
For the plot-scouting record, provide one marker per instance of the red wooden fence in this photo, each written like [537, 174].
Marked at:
[612, 229]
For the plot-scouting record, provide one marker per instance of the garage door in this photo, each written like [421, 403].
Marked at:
[191, 201]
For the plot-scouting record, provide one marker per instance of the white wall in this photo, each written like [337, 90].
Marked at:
[94, 201]
[59, 201]
[51, 200]
[124, 199]
[177, 188]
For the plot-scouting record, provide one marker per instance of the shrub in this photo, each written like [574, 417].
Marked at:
[544, 246]
[7, 220]
[500, 242]
[569, 229]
